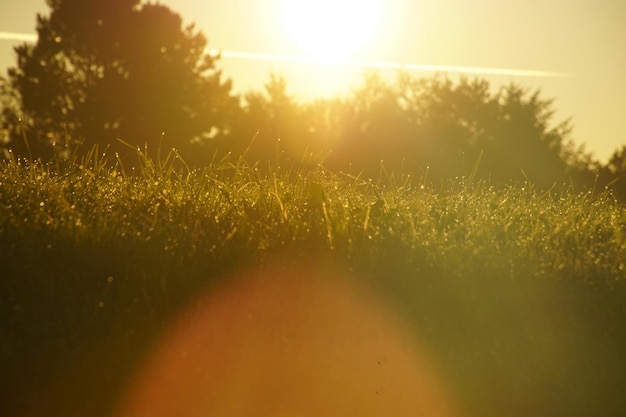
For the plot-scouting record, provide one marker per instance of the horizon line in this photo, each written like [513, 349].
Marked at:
[295, 59]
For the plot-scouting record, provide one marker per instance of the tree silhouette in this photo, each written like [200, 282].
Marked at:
[273, 126]
[612, 176]
[448, 127]
[415, 125]
[109, 69]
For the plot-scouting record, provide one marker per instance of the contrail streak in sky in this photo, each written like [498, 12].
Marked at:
[390, 65]
[13, 36]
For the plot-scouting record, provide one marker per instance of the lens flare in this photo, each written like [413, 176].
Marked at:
[280, 343]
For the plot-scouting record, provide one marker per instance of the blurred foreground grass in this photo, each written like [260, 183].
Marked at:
[520, 294]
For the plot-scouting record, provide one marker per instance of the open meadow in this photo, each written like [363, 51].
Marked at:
[518, 294]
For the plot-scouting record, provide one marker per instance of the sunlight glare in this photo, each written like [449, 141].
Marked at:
[331, 30]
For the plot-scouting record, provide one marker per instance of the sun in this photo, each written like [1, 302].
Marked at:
[328, 30]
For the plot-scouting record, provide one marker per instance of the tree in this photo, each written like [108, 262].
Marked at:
[273, 126]
[448, 127]
[108, 69]
[612, 176]
[430, 125]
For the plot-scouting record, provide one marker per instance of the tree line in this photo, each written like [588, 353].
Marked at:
[117, 69]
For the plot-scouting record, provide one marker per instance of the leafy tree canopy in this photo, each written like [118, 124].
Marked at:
[430, 126]
[110, 69]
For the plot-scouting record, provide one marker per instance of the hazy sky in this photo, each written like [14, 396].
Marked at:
[584, 38]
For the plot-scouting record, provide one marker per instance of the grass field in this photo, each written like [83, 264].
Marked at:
[520, 293]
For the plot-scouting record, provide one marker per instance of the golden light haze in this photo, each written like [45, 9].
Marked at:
[583, 38]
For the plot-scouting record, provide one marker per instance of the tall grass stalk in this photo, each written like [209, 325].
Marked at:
[520, 293]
